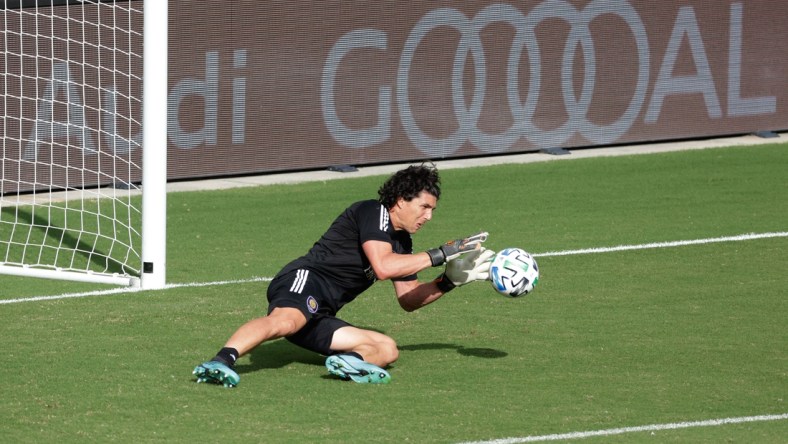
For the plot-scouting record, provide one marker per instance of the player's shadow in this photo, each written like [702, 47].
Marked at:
[277, 354]
[281, 353]
[476, 352]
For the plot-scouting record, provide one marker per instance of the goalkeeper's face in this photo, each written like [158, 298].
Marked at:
[411, 215]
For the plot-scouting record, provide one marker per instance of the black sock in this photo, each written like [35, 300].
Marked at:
[227, 356]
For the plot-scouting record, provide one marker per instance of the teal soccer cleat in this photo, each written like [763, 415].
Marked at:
[217, 373]
[350, 367]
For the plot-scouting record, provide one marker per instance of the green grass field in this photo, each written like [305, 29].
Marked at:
[608, 340]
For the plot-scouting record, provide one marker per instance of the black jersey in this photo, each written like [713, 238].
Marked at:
[338, 256]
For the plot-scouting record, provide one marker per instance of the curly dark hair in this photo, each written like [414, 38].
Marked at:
[409, 183]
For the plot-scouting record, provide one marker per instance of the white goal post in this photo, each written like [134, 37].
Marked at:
[82, 186]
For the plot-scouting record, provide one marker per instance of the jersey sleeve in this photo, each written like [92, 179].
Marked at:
[373, 222]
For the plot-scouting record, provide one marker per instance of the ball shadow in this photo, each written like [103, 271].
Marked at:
[476, 352]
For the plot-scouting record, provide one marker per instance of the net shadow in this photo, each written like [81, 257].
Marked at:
[64, 240]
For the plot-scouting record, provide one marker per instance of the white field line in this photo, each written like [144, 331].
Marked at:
[132, 290]
[638, 429]
[738, 238]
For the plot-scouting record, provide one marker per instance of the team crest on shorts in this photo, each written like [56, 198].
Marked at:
[311, 304]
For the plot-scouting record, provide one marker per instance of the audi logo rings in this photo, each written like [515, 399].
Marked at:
[524, 43]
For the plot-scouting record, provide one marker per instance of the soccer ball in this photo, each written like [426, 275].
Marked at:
[514, 272]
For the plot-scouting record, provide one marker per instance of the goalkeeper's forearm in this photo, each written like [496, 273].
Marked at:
[423, 293]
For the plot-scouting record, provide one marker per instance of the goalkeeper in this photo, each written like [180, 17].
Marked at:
[369, 241]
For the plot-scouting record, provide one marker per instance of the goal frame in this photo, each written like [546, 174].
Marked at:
[154, 167]
[154, 145]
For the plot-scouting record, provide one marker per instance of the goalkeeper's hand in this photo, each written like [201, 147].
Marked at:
[474, 266]
[453, 249]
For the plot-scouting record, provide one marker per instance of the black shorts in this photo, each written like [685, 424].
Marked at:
[306, 291]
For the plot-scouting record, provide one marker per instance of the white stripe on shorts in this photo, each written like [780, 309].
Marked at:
[300, 281]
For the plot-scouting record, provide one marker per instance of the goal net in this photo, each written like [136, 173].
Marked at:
[72, 205]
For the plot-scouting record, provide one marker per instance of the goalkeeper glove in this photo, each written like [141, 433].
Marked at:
[453, 249]
[474, 266]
